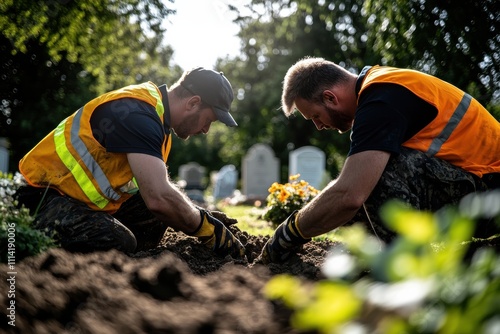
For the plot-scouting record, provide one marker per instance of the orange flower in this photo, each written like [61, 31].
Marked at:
[283, 199]
[273, 187]
[284, 194]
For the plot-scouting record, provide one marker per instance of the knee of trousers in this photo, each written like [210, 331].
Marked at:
[78, 228]
[116, 236]
[123, 241]
[128, 243]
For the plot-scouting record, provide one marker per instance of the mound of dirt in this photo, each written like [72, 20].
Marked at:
[178, 287]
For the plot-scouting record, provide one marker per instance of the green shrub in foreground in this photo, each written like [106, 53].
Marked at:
[17, 237]
[421, 283]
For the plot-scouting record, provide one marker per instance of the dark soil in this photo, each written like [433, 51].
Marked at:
[178, 287]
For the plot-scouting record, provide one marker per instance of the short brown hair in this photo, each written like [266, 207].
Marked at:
[307, 79]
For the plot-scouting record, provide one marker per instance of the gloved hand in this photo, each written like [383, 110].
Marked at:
[285, 241]
[217, 237]
[227, 221]
[219, 215]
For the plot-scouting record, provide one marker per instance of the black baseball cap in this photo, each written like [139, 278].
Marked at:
[214, 89]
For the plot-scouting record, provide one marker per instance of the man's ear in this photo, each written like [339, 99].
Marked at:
[192, 102]
[330, 98]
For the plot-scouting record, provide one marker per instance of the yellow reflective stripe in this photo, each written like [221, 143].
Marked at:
[154, 93]
[88, 160]
[130, 187]
[74, 167]
[159, 110]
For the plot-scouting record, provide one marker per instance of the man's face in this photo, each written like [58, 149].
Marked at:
[195, 121]
[325, 116]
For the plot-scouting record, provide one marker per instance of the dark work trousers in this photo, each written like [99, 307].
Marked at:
[425, 183]
[78, 228]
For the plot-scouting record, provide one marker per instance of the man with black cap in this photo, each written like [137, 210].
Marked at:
[99, 180]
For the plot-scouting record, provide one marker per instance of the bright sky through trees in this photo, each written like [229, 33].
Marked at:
[202, 31]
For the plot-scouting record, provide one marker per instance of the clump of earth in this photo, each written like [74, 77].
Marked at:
[177, 287]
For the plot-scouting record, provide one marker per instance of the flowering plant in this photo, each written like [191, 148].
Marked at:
[8, 185]
[283, 199]
[21, 239]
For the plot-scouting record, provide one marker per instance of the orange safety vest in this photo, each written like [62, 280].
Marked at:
[71, 160]
[463, 133]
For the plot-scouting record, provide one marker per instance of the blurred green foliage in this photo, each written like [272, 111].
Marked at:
[17, 237]
[426, 281]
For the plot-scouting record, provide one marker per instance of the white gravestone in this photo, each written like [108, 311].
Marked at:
[260, 169]
[191, 181]
[192, 174]
[309, 162]
[225, 182]
[4, 155]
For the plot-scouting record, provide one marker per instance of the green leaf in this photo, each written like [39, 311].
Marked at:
[417, 226]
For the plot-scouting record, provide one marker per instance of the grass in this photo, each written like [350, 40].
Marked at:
[249, 219]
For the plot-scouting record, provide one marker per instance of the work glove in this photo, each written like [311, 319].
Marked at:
[219, 215]
[286, 241]
[213, 234]
[223, 218]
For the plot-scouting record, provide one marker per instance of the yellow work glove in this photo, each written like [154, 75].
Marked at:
[217, 237]
[285, 241]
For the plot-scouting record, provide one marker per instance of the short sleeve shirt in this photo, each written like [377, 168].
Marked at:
[130, 126]
[387, 115]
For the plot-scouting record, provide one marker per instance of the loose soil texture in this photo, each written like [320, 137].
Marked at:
[177, 287]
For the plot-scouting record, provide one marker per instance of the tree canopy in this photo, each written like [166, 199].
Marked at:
[432, 36]
[57, 55]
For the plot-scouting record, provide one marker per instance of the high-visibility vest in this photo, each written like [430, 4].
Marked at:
[72, 161]
[463, 133]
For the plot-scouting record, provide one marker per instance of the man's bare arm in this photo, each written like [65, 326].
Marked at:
[162, 197]
[343, 197]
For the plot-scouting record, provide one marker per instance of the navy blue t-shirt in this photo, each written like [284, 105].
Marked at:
[387, 115]
[130, 126]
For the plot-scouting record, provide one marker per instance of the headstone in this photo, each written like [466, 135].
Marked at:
[192, 175]
[309, 162]
[4, 155]
[225, 182]
[260, 169]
